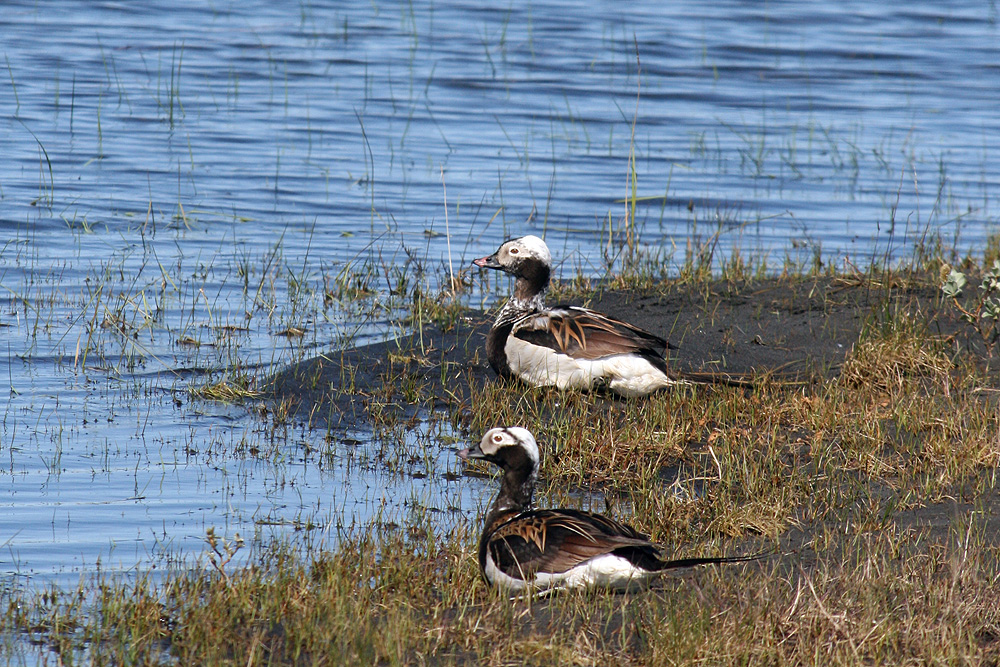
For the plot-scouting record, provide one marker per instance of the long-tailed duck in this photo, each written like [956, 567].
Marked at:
[538, 551]
[566, 346]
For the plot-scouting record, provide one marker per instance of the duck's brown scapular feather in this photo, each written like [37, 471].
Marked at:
[587, 334]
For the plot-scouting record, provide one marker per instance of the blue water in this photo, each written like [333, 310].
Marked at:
[181, 182]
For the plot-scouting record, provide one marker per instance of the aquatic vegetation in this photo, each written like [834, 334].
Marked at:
[983, 313]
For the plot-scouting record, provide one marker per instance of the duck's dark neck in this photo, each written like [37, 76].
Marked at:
[516, 489]
[532, 280]
[529, 292]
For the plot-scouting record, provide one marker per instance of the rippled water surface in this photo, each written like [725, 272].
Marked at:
[182, 182]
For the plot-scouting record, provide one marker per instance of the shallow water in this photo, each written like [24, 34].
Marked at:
[181, 184]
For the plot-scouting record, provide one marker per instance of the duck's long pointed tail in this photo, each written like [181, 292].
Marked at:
[780, 376]
[711, 560]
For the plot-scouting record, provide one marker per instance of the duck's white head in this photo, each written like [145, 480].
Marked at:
[508, 447]
[517, 254]
[527, 259]
[514, 449]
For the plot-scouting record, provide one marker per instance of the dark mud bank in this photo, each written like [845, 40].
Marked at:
[800, 329]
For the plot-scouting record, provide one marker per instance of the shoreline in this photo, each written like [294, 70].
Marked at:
[800, 328]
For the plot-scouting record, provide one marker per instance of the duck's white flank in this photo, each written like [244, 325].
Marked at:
[604, 571]
[626, 374]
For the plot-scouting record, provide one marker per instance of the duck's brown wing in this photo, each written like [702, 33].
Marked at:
[587, 334]
[554, 541]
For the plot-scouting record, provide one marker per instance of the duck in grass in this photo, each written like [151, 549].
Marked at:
[540, 551]
[567, 346]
